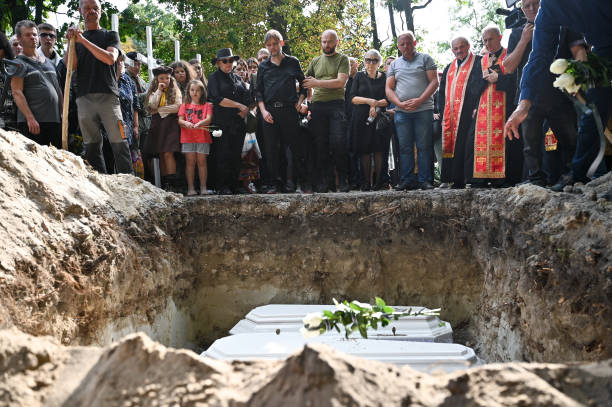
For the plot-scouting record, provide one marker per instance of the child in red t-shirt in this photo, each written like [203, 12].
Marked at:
[195, 116]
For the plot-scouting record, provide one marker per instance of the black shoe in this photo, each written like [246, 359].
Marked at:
[457, 185]
[344, 187]
[270, 190]
[321, 188]
[365, 187]
[289, 187]
[225, 191]
[426, 186]
[406, 186]
[563, 182]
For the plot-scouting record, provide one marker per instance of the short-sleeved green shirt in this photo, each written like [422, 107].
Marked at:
[328, 67]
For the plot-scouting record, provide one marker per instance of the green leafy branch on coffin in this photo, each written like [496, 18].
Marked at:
[576, 76]
[356, 316]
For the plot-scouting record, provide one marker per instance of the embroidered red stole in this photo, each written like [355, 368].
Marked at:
[456, 83]
[489, 142]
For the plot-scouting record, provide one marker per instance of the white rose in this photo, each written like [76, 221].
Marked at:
[377, 315]
[217, 133]
[559, 66]
[573, 89]
[362, 305]
[341, 307]
[565, 82]
[313, 320]
[307, 333]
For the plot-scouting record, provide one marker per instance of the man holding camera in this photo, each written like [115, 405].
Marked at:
[551, 104]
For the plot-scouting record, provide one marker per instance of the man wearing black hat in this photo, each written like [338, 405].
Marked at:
[231, 101]
[97, 100]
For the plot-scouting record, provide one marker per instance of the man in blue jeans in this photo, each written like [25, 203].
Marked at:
[411, 83]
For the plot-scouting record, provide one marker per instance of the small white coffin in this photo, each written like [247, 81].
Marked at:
[284, 318]
[422, 356]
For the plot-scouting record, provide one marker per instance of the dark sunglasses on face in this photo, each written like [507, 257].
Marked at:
[226, 61]
[371, 60]
[43, 35]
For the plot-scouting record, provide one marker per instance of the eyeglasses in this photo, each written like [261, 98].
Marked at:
[226, 61]
[43, 35]
[371, 60]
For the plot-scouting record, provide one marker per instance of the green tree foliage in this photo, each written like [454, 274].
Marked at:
[470, 17]
[207, 25]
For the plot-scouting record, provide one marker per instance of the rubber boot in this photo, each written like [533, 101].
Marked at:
[123, 158]
[94, 156]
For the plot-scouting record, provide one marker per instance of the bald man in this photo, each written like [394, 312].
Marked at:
[327, 75]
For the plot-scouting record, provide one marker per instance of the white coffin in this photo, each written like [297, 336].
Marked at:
[284, 318]
[422, 356]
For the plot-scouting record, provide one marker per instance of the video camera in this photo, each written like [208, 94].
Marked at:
[8, 68]
[514, 17]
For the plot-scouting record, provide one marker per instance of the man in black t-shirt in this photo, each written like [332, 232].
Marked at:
[97, 100]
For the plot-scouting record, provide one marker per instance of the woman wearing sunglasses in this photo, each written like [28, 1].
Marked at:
[231, 102]
[368, 98]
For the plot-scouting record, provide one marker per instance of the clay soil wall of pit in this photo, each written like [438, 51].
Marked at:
[519, 274]
[255, 251]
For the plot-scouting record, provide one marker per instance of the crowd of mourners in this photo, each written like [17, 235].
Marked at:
[265, 125]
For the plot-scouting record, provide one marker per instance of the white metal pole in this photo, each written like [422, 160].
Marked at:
[150, 59]
[177, 51]
[115, 22]
[199, 58]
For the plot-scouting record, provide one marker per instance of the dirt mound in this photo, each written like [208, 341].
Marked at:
[139, 372]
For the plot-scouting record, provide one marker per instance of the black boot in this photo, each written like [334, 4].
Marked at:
[94, 156]
[123, 158]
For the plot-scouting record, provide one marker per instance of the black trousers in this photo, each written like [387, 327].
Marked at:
[227, 152]
[328, 129]
[563, 122]
[280, 136]
[50, 133]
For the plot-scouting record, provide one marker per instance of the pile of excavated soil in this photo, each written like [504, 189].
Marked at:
[139, 372]
[88, 258]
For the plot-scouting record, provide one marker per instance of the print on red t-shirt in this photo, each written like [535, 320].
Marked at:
[195, 114]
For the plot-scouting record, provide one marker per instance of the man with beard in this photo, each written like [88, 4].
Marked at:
[97, 100]
[279, 104]
[460, 90]
[327, 76]
[488, 157]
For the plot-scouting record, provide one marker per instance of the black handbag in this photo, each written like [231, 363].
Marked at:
[383, 122]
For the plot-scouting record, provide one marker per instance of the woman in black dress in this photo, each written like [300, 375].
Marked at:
[368, 98]
[231, 100]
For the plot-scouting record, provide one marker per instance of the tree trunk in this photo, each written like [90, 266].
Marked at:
[408, 13]
[392, 21]
[375, 40]
[39, 10]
